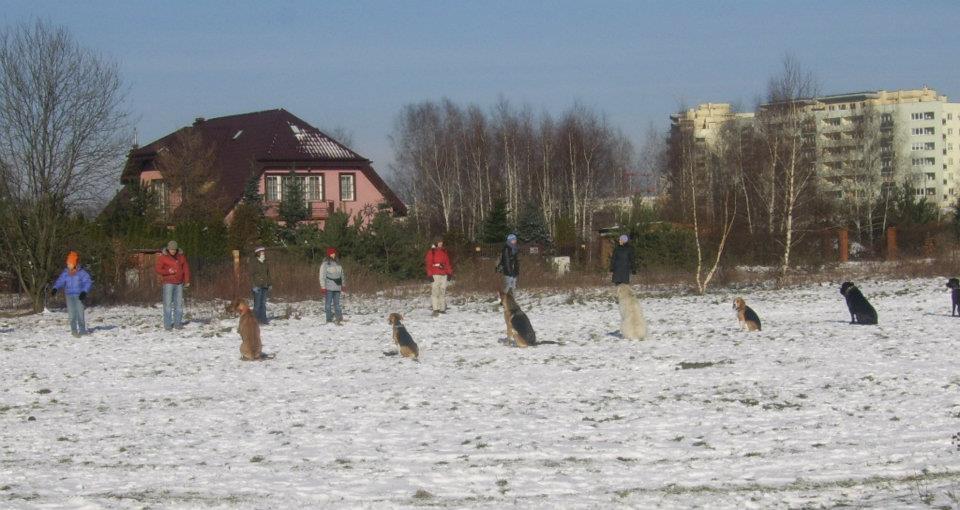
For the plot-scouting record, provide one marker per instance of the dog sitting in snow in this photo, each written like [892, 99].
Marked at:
[632, 324]
[405, 344]
[861, 312]
[251, 348]
[954, 285]
[749, 320]
[519, 329]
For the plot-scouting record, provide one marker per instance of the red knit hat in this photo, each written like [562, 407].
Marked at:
[331, 252]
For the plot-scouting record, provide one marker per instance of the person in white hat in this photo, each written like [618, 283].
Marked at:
[622, 261]
[261, 282]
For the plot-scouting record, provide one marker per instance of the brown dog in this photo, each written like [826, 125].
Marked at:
[251, 348]
[749, 320]
[519, 329]
[405, 344]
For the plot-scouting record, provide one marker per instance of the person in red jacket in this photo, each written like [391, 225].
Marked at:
[174, 272]
[440, 269]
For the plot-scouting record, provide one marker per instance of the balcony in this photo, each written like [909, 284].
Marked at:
[319, 210]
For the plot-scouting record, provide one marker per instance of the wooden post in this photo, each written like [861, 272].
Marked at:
[891, 243]
[236, 266]
[843, 242]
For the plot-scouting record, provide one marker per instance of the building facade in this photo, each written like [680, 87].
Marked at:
[272, 146]
[869, 141]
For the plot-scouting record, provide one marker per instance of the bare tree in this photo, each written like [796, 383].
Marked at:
[790, 128]
[187, 167]
[703, 192]
[63, 132]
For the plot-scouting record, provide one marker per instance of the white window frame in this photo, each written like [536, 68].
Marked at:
[352, 179]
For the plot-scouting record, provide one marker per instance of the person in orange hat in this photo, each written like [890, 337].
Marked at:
[76, 283]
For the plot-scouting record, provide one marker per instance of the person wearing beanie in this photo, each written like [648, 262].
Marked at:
[509, 263]
[332, 283]
[262, 283]
[174, 272]
[622, 261]
[439, 269]
[76, 283]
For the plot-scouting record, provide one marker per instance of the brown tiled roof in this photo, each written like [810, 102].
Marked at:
[251, 141]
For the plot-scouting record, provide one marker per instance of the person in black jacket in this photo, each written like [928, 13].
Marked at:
[509, 263]
[621, 261]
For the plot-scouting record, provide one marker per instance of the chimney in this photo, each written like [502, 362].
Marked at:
[197, 121]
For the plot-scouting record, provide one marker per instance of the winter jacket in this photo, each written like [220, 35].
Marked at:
[621, 263]
[438, 256]
[509, 261]
[260, 274]
[331, 275]
[74, 284]
[173, 269]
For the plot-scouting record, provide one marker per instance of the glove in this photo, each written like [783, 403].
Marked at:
[83, 295]
[53, 291]
[323, 291]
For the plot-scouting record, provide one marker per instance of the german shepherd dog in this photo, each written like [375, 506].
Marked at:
[632, 324]
[519, 329]
[405, 344]
[749, 320]
[251, 347]
[954, 285]
[861, 312]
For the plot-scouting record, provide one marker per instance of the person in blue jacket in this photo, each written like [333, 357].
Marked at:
[76, 283]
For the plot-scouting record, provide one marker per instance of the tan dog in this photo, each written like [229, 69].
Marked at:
[519, 329]
[251, 348]
[632, 324]
[405, 344]
[749, 320]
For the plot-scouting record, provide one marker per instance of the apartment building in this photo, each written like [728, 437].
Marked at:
[867, 141]
[910, 136]
[705, 121]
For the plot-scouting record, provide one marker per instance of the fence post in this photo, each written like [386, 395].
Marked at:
[236, 267]
[843, 242]
[891, 243]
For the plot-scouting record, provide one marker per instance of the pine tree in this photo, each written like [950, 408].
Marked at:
[531, 226]
[497, 225]
[251, 192]
[293, 205]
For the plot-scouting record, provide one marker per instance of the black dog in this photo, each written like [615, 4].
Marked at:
[954, 284]
[860, 310]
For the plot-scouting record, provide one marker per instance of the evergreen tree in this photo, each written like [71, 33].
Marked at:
[293, 205]
[531, 226]
[251, 192]
[247, 228]
[497, 225]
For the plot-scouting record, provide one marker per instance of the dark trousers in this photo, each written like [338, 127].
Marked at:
[260, 304]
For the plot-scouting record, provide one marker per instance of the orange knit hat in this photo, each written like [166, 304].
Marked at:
[73, 259]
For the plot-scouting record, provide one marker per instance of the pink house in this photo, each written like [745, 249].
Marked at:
[274, 145]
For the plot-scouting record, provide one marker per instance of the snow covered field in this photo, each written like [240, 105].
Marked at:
[811, 411]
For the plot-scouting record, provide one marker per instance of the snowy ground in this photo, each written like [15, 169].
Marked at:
[810, 412]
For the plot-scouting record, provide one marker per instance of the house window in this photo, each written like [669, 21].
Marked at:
[163, 196]
[348, 187]
[314, 188]
[271, 188]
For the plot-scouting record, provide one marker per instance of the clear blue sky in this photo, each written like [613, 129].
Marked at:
[354, 64]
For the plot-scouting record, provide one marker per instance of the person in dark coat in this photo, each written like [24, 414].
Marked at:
[262, 283]
[509, 263]
[621, 261]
